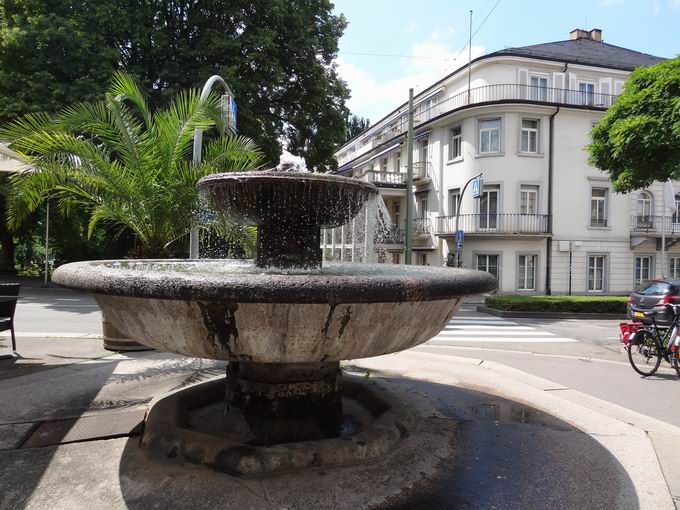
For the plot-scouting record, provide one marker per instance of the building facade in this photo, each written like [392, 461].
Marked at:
[546, 221]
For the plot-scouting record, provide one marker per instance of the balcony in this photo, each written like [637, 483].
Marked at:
[653, 225]
[509, 92]
[422, 226]
[494, 224]
[392, 235]
[380, 178]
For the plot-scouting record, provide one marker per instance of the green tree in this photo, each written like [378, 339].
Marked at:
[637, 142]
[129, 167]
[276, 55]
[355, 126]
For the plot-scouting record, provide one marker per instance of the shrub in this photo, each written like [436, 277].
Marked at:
[572, 304]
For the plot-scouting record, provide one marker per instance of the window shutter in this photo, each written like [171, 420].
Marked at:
[558, 83]
[572, 81]
[605, 90]
[618, 87]
[523, 80]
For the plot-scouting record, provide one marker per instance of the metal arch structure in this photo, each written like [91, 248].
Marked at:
[198, 147]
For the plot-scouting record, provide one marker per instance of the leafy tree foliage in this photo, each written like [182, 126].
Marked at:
[356, 125]
[129, 167]
[638, 140]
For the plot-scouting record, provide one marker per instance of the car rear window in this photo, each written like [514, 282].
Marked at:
[654, 288]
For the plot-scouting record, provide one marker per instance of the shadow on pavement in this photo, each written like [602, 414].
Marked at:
[508, 456]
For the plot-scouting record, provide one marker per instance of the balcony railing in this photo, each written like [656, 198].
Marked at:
[509, 92]
[390, 235]
[671, 224]
[422, 226]
[422, 170]
[497, 223]
[380, 177]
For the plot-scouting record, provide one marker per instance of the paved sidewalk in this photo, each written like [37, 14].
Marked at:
[517, 441]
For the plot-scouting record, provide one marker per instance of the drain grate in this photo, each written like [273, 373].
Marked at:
[86, 428]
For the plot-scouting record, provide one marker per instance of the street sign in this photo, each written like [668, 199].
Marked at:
[229, 112]
[477, 188]
[459, 239]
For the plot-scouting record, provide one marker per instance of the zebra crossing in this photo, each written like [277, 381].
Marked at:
[486, 329]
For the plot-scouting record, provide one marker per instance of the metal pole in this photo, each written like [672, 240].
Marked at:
[663, 234]
[469, 58]
[47, 244]
[570, 263]
[409, 181]
[460, 201]
[198, 145]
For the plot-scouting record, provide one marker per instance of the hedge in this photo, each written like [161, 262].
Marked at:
[572, 304]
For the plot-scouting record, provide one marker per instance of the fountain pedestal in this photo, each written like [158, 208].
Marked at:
[286, 402]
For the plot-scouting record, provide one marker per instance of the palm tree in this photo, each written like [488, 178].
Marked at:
[129, 167]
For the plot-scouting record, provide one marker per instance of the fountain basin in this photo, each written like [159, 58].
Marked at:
[234, 311]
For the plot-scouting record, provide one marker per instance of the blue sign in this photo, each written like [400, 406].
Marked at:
[459, 239]
[477, 188]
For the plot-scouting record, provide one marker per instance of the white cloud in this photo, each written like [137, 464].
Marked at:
[375, 98]
[674, 4]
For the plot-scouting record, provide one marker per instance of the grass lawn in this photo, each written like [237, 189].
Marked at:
[573, 304]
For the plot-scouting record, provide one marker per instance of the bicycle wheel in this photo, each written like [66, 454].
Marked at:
[644, 353]
[675, 361]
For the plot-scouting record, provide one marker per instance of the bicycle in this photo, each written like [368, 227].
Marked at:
[650, 344]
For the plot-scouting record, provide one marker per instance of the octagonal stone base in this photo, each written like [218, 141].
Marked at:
[192, 424]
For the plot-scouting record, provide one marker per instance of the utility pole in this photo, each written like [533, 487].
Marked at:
[460, 201]
[47, 245]
[469, 59]
[409, 181]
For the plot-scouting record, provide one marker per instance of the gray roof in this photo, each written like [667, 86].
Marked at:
[584, 51]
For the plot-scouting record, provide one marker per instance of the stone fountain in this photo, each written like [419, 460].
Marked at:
[283, 323]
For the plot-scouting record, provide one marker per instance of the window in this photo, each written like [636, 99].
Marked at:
[423, 150]
[528, 199]
[455, 143]
[396, 258]
[676, 213]
[643, 268]
[586, 93]
[598, 207]
[644, 206]
[596, 273]
[383, 165]
[489, 136]
[398, 169]
[674, 267]
[526, 272]
[488, 263]
[530, 136]
[488, 208]
[539, 88]
[422, 259]
[422, 206]
[454, 199]
[397, 212]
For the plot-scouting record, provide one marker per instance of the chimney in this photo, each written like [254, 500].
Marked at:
[596, 34]
[578, 33]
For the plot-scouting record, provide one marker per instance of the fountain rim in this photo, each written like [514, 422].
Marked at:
[282, 176]
[429, 284]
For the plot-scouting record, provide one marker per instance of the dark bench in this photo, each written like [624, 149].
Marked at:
[9, 295]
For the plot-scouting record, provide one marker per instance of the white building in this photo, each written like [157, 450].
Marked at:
[524, 123]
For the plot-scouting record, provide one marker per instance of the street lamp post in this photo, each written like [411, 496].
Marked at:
[460, 201]
[198, 145]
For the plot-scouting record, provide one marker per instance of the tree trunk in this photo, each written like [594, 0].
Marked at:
[7, 257]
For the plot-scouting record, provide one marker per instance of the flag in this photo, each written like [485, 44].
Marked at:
[669, 196]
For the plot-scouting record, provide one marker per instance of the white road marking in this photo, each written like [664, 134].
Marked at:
[493, 330]
[34, 334]
[487, 339]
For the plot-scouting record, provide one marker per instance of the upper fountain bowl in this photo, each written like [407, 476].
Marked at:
[276, 197]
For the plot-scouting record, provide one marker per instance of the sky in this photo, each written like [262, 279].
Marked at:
[413, 44]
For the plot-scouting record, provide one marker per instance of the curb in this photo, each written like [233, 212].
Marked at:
[550, 315]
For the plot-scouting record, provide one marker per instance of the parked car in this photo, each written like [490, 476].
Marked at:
[653, 295]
